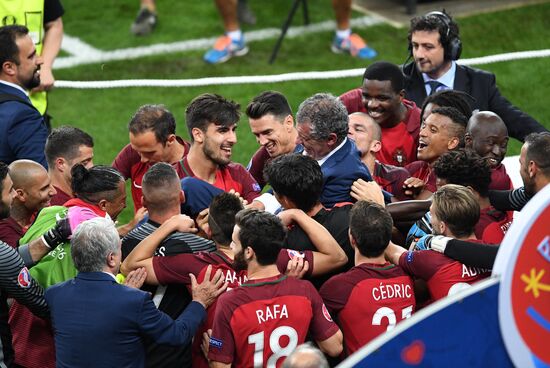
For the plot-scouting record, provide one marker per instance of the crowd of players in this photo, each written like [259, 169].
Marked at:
[372, 208]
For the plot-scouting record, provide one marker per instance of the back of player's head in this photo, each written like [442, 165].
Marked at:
[447, 28]
[464, 167]
[538, 150]
[450, 98]
[297, 177]
[457, 207]
[65, 142]
[269, 102]
[459, 122]
[385, 71]
[326, 114]
[261, 231]
[210, 108]
[92, 243]
[153, 118]
[8, 46]
[4, 170]
[161, 188]
[306, 356]
[96, 183]
[221, 217]
[371, 227]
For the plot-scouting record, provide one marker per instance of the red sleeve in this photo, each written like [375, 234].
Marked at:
[176, 269]
[353, 101]
[10, 232]
[286, 255]
[322, 326]
[251, 190]
[125, 159]
[420, 264]
[257, 164]
[222, 342]
[333, 294]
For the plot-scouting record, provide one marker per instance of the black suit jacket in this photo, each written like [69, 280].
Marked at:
[481, 85]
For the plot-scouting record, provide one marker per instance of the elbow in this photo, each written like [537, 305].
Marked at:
[334, 346]
[125, 268]
[341, 260]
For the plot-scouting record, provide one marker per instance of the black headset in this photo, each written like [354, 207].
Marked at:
[451, 42]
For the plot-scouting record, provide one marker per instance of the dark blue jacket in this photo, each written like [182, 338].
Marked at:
[99, 323]
[23, 132]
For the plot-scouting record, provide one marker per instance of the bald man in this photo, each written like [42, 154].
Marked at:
[367, 135]
[487, 135]
[33, 191]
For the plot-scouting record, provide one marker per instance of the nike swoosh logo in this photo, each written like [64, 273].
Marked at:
[137, 186]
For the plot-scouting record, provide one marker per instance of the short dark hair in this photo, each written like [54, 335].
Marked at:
[464, 167]
[210, 108]
[456, 206]
[221, 217]
[434, 21]
[384, 71]
[371, 226]
[269, 102]
[65, 142]
[96, 183]
[162, 179]
[4, 170]
[459, 121]
[8, 42]
[261, 231]
[538, 150]
[155, 118]
[297, 177]
[450, 98]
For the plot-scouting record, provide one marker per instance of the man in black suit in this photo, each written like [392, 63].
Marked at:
[435, 46]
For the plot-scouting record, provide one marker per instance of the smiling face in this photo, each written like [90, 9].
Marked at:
[218, 142]
[381, 101]
[39, 194]
[436, 137]
[428, 53]
[488, 138]
[274, 134]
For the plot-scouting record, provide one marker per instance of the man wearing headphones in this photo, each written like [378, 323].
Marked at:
[435, 45]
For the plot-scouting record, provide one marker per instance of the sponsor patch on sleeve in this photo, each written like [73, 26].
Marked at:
[294, 253]
[216, 343]
[256, 187]
[410, 257]
[24, 278]
[326, 313]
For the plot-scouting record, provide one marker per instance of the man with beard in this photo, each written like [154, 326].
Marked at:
[250, 320]
[212, 122]
[487, 135]
[23, 132]
[435, 45]
[33, 191]
[15, 279]
[152, 139]
[382, 97]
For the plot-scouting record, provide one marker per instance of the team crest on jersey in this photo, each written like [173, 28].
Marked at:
[326, 313]
[216, 343]
[24, 278]
[294, 253]
[256, 187]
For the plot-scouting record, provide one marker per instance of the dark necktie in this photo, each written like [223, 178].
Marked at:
[434, 85]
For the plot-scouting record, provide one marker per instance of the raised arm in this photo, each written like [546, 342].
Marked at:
[394, 252]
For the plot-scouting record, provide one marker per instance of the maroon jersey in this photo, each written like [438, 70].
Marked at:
[257, 164]
[60, 197]
[391, 178]
[500, 179]
[495, 231]
[128, 163]
[11, 231]
[368, 300]
[175, 270]
[486, 231]
[260, 323]
[443, 275]
[423, 171]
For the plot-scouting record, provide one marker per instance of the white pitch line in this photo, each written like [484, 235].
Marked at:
[82, 53]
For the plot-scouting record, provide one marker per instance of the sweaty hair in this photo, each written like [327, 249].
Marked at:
[538, 150]
[92, 242]
[464, 167]
[154, 118]
[326, 114]
[261, 231]
[161, 188]
[297, 177]
[8, 46]
[450, 98]
[269, 102]
[456, 206]
[459, 121]
[65, 142]
[221, 217]
[371, 227]
[431, 22]
[384, 71]
[95, 184]
[4, 170]
[210, 108]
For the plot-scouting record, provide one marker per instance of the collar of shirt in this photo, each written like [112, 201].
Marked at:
[15, 86]
[110, 274]
[324, 159]
[447, 79]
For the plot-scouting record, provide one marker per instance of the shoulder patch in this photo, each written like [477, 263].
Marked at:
[410, 256]
[326, 313]
[295, 253]
[256, 187]
[216, 343]
[24, 278]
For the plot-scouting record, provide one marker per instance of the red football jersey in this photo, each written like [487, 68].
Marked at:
[423, 171]
[492, 225]
[500, 180]
[398, 146]
[260, 323]
[368, 300]
[443, 275]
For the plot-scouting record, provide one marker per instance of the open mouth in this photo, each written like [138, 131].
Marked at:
[422, 145]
